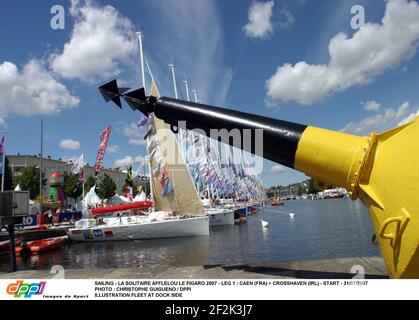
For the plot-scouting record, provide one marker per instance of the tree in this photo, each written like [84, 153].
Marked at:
[89, 183]
[107, 187]
[312, 186]
[8, 179]
[72, 188]
[29, 181]
[300, 190]
[129, 183]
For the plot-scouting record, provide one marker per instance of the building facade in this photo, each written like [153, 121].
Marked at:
[19, 162]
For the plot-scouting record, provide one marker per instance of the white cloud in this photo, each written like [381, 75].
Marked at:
[378, 122]
[371, 106]
[260, 24]
[112, 148]
[138, 142]
[278, 169]
[372, 50]
[32, 91]
[127, 162]
[288, 18]
[101, 40]
[131, 131]
[69, 144]
[409, 118]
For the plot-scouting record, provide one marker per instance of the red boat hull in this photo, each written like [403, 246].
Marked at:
[5, 245]
[275, 203]
[40, 246]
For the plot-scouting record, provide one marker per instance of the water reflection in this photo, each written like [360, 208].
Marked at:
[320, 230]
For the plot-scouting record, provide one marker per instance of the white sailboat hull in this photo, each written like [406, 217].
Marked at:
[220, 217]
[198, 226]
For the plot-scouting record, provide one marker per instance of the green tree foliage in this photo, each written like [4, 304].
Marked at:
[107, 187]
[300, 190]
[312, 186]
[71, 187]
[29, 181]
[89, 183]
[8, 178]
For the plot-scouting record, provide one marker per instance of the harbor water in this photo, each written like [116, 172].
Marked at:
[323, 229]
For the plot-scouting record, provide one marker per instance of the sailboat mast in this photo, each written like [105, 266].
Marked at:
[4, 160]
[192, 134]
[172, 67]
[140, 46]
[40, 163]
[84, 175]
[187, 90]
[195, 96]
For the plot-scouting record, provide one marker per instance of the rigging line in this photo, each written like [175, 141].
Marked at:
[149, 70]
[180, 91]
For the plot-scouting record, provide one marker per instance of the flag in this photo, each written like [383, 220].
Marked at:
[152, 143]
[128, 192]
[129, 174]
[164, 177]
[143, 121]
[81, 176]
[1, 154]
[151, 132]
[156, 171]
[81, 179]
[167, 189]
[104, 138]
[78, 165]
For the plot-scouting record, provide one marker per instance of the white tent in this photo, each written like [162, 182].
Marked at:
[18, 188]
[91, 199]
[117, 199]
[140, 197]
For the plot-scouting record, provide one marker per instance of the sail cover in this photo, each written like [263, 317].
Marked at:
[172, 184]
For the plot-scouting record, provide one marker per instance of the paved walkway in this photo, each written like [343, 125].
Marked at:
[319, 269]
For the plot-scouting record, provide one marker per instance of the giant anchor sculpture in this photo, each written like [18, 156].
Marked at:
[380, 169]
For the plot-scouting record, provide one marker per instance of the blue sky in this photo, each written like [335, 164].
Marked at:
[299, 61]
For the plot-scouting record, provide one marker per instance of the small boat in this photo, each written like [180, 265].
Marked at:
[20, 248]
[40, 246]
[292, 215]
[5, 245]
[249, 210]
[265, 224]
[254, 209]
[236, 216]
[220, 217]
[243, 214]
[277, 203]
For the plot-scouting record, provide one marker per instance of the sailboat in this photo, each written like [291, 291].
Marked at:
[177, 209]
[178, 213]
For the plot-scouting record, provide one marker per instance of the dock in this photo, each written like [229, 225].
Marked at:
[318, 269]
[31, 235]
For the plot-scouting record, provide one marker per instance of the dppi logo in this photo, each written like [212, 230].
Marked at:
[27, 290]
